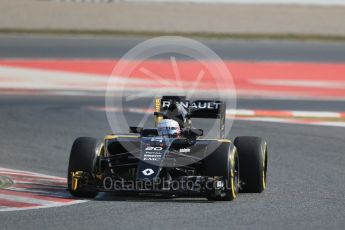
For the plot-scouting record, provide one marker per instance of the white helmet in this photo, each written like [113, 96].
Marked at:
[168, 127]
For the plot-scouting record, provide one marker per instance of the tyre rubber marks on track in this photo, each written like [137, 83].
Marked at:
[21, 190]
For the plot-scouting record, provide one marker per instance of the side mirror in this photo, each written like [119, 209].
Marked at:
[193, 132]
[133, 129]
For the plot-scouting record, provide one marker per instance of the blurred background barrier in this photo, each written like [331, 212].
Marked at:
[299, 2]
[211, 19]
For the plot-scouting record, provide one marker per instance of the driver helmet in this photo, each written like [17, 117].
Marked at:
[169, 128]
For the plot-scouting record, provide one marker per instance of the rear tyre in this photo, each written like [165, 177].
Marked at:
[82, 158]
[224, 162]
[252, 152]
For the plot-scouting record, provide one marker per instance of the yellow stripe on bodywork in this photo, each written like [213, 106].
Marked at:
[75, 179]
[109, 137]
[74, 184]
[127, 136]
[219, 140]
[99, 150]
[158, 105]
[157, 109]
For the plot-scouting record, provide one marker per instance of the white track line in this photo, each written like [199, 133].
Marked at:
[241, 112]
[289, 117]
[18, 198]
[301, 83]
[316, 114]
[292, 121]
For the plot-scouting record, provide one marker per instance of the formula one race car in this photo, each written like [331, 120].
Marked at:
[171, 159]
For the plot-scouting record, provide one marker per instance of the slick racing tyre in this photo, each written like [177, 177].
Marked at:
[82, 158]
[252, 152]
[224, 162]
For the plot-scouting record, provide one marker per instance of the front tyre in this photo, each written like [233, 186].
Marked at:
[224, 162]
[253, 156]
[82, 158]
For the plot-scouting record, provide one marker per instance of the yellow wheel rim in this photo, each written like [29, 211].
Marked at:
[264, 172]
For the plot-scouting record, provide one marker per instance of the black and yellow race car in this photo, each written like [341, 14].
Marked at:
[144, 162]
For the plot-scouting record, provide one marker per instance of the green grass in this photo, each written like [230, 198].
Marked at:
[246, 36]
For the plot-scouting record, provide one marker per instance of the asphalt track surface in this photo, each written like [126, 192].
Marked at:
[115, 47]
[305, 190]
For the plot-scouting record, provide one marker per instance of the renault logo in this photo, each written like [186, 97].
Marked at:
[148, 172]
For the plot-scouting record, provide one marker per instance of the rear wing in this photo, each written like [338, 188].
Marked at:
[211, 109]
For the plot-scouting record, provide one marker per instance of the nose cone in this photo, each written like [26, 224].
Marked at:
[152, 153]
